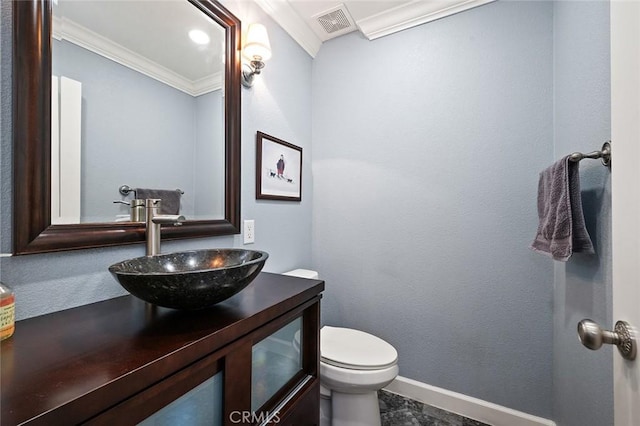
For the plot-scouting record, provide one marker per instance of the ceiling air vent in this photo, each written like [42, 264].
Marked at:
[333, 22]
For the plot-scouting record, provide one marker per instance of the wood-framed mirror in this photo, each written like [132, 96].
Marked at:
[33, 231]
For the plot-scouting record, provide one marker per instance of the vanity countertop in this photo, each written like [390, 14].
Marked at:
[69, 363]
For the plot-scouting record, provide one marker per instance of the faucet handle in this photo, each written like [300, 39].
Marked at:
[153, 202]
[136, 202]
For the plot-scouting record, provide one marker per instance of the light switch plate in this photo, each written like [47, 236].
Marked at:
[249, 231]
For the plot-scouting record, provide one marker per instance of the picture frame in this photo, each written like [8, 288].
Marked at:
[278, 169]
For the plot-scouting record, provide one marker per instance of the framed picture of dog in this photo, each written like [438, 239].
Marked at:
[278, 169]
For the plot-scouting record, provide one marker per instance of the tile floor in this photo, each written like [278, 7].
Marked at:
[396, 410]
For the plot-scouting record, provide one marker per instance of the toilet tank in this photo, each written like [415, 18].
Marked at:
[303, 273]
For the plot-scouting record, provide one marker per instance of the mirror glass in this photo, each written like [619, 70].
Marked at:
[137, 100]
[112, 93]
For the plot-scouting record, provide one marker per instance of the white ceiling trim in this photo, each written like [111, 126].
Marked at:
[410, 15]
[207, 84]
[282, 12]
[66, 29]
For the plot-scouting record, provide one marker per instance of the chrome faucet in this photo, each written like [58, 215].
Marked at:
[153, 221]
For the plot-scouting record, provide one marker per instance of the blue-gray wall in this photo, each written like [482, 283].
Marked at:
[426, 146]
[279, 104]
[426, 163]
[583, 379]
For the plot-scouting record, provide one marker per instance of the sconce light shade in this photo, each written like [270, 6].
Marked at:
[257, 45]
[257, 49]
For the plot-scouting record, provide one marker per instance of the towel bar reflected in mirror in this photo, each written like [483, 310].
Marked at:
[126, 189]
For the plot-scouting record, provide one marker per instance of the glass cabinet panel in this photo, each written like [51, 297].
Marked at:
[201, 406]
[275, 360]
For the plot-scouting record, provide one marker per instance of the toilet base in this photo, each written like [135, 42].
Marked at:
[325, 410]
[355, 409]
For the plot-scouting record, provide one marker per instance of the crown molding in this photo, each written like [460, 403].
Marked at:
[207, 84]
[282, 12]
[410, 15]
[66, 29]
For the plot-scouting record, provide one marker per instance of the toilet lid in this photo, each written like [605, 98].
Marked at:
[355, 349]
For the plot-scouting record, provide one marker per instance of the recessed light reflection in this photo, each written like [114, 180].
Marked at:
[199, 37]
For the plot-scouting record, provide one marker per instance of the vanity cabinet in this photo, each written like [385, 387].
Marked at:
[253, 359]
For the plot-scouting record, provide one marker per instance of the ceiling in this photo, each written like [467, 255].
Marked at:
[312, 22]
[157, 44]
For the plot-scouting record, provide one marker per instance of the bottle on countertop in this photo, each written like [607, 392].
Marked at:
[7, 312]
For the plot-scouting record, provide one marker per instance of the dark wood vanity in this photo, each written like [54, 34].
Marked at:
[120, 361]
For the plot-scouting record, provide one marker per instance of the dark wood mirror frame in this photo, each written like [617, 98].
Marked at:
[32, 229]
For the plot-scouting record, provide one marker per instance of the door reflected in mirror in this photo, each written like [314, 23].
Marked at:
[137, 100]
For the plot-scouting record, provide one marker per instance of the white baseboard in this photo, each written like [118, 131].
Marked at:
[464, 405]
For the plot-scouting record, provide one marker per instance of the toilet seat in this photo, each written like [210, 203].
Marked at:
[355, 349]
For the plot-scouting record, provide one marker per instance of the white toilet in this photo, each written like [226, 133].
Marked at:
[354, 365]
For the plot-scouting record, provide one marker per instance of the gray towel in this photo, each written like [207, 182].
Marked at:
[170, 198]
[561, 231]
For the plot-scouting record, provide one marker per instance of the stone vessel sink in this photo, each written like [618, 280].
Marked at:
[189, 279]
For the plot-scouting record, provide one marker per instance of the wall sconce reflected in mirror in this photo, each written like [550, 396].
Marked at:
[258, 49]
